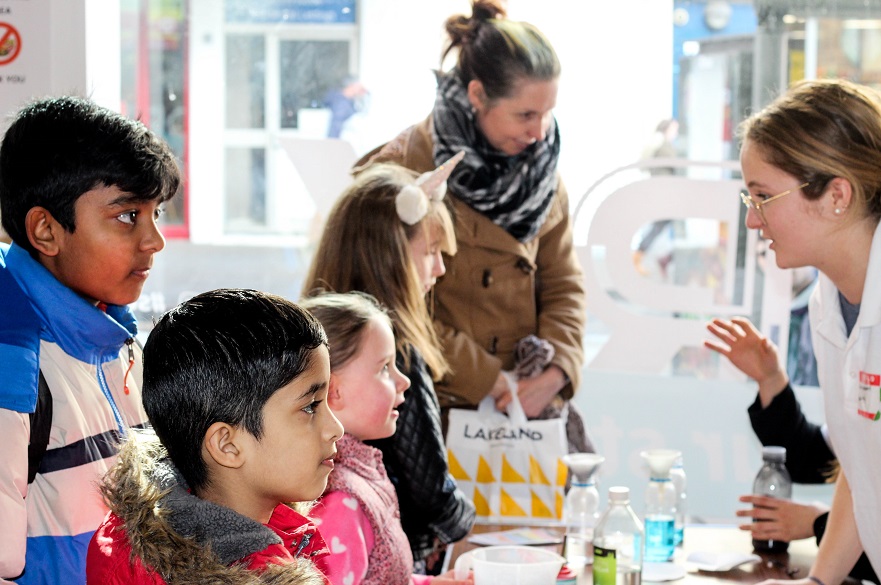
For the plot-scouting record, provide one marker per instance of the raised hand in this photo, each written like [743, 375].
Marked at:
[750, 352]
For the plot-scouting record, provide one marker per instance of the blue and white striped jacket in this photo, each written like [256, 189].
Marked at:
[45, 527]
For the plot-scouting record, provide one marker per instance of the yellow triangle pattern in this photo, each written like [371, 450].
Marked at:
[536, 475]
[456, 469]
[509, 507]
[484, 471]
[562, 472]
[481, 505]
[509, 474]
[539, 509]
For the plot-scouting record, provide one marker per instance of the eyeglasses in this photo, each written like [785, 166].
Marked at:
[757, 207]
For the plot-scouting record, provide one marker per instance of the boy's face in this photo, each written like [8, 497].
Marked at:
[293, 458]
[109, 255]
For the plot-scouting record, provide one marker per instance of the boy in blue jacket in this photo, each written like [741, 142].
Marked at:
[81, 189]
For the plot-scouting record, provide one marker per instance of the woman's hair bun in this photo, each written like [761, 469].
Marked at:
[487, 9]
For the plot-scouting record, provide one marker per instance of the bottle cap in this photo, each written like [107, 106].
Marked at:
[774, 454]
[619, 494]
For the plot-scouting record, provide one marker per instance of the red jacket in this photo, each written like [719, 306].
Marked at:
[157, 532]
[110, 550]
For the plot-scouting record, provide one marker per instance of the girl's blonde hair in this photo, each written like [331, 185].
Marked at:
[365, 247]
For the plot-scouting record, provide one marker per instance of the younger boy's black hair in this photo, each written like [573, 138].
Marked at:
[57, 149]
[219, 357]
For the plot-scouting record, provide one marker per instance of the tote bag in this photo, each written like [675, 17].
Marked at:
[512, 468]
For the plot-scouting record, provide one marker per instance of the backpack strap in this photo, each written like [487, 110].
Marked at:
[41, 425]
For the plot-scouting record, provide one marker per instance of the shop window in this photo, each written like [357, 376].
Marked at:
[153, 74]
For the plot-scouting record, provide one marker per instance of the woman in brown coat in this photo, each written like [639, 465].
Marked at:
[516, 273]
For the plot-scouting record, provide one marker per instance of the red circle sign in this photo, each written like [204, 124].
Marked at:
[10, 43]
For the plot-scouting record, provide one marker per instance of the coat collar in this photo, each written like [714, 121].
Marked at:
[81, 329]
[829, 321]
[475, 229]
[190, 540]
[37, 306]
[870, 308]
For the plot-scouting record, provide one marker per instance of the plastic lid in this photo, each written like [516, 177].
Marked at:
[619, 494]
[774, 453]
[566, 576]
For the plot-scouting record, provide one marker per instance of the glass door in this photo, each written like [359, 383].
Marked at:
[277, 82]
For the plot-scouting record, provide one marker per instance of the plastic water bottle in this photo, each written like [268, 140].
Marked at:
[772, 480]
[617, 543]
[677, 475]
[580, 508]
[660, 505]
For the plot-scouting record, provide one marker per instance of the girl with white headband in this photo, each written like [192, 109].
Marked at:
[385, 236]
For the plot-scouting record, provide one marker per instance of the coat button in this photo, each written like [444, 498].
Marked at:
[487, 278]
[524, 265]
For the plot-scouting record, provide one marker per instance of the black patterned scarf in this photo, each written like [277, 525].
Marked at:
[514, 192]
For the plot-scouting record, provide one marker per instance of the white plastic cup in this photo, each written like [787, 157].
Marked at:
[510, 565]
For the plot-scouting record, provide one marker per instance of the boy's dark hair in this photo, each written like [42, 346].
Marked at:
[219, 357]
[59, 148]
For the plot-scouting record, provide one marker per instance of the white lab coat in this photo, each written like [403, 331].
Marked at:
[849, 370]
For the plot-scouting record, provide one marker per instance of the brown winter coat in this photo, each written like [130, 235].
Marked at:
[498, 290]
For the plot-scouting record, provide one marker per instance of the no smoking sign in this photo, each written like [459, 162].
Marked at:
[10, 43]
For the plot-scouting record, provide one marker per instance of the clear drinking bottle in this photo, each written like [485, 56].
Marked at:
[677, 475]
[660, 505]
[617, 543]
[581, 507]
[772, 480]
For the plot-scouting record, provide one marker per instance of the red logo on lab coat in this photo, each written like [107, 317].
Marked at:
[869, 396]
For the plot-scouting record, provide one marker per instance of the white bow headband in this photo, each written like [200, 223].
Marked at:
[413, 200]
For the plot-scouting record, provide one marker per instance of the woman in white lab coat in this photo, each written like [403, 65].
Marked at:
[811, 162]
